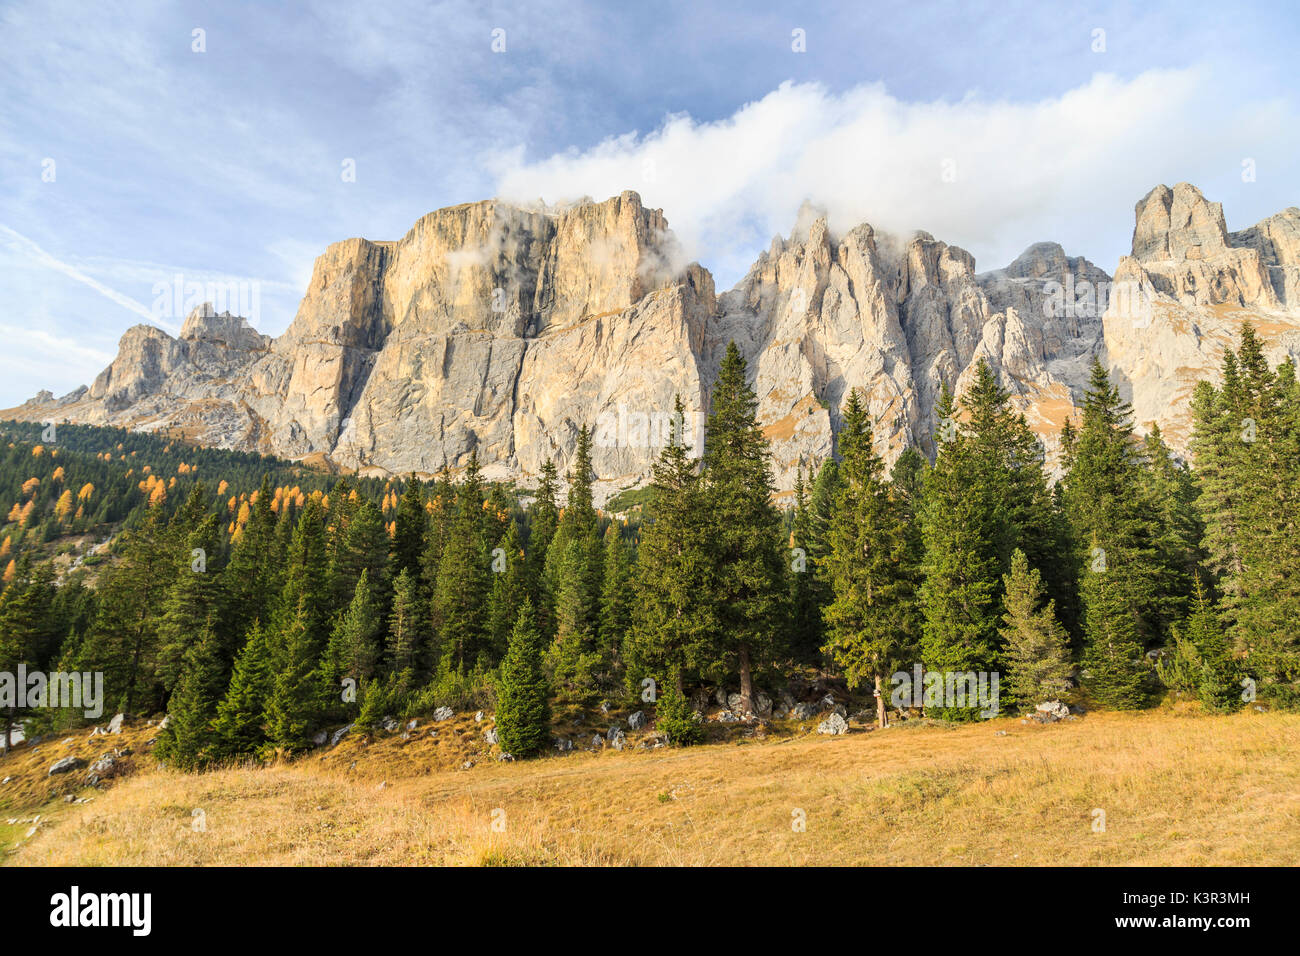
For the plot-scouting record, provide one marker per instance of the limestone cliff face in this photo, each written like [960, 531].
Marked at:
[509, 329]
[818, 317]
[1200, 283]
[500, 330]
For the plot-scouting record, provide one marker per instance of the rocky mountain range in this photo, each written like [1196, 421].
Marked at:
[503, 329]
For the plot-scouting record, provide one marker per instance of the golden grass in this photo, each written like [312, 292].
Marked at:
[1176, 789]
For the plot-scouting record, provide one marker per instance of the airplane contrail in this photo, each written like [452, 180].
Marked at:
[72, 272]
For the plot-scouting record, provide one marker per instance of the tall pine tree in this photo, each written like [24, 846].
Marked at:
[748, 584]
[523, 717]
[872, 620]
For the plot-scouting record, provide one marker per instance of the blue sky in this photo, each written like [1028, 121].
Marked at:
[128, 158]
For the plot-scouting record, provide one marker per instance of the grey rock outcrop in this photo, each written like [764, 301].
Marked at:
[66, 765]
[1053, 710]
[834, 725]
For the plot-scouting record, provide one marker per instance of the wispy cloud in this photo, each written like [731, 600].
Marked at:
[23, 344]
[40, 256]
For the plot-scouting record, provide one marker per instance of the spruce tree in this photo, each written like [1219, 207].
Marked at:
[1114, 520]
[239, 729]
[1246, 444]
[573, 659]
[406, 648]
[377, 698]
[194, 600]
[354, 647]
[674, 716]
[744, 531]
[823, 494]
[410, 526]
[510, 586]
[1218, 686]
[1173, 489]
[523, 715]
[574, 573]
[543, 519]
[254, 577]
[464, 579]
[299, 637]
[299, 696]
[441, 506]
[22, 610]
[615, 603]
[497, 514]
[305, 595]
[188, 516]
[872, 620]
[960, 565]
[808, 587]
[1114, 669]
[908, 479]
[673, 618]
[122, 642]
[188, 738]
[340, 507]
[801, 632]
[1037, 649]
[359, 547]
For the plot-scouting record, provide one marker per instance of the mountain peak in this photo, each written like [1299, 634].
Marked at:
[1178, 223]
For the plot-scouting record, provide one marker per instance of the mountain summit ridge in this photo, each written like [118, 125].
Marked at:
[501, 329]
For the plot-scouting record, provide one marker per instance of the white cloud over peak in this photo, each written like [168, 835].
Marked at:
[990, 175]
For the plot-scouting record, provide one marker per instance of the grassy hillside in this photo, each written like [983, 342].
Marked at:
[1176, 788]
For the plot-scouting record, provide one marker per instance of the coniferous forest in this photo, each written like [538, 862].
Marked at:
[258, 602]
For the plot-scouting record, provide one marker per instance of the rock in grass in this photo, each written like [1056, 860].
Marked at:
[833, 725]
[66, 765]
[1054, 709]
[103, 765]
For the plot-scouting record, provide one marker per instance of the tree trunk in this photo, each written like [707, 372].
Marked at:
[746, 680]
[881, 719]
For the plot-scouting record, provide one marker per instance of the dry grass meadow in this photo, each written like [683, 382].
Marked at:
[1176, 788]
